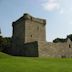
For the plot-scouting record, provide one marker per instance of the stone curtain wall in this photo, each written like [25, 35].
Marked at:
[31, 49]
[55, 49]
[28, 49]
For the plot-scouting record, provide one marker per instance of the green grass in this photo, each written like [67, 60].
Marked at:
[28, 64]
[3, 55]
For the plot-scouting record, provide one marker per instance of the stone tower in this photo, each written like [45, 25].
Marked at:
[28, 29]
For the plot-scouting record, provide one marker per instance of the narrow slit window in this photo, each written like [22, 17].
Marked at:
[31, 35]
[37, 28]
[69, 46]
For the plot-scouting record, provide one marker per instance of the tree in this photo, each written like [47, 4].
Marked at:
[70, 37]
[1, 42]
[5, 43]
[59, 40]
[63, 40]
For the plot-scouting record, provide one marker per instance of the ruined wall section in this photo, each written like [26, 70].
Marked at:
[27, 49]
[55, 49]
[31, 49]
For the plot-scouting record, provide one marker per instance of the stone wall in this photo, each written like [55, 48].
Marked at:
[55, 49]
[18, 33]
[34, 31]
[31, 49]
[28, 49]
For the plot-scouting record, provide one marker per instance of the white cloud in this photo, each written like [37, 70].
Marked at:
[61, 11]
[52, 0]
[70, 22]
[51, 5]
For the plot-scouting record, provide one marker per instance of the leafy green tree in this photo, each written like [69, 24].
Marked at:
[1, 43]
[5, 42]
[63, 40]
[59, 40]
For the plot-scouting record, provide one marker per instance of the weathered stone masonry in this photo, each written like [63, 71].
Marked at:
[27, 31]
[29, 39]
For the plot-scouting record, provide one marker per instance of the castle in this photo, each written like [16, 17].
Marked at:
[29, 39]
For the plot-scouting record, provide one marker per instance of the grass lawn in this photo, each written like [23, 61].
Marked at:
[29, 64]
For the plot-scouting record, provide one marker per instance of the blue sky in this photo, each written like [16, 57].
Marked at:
[58, 14]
